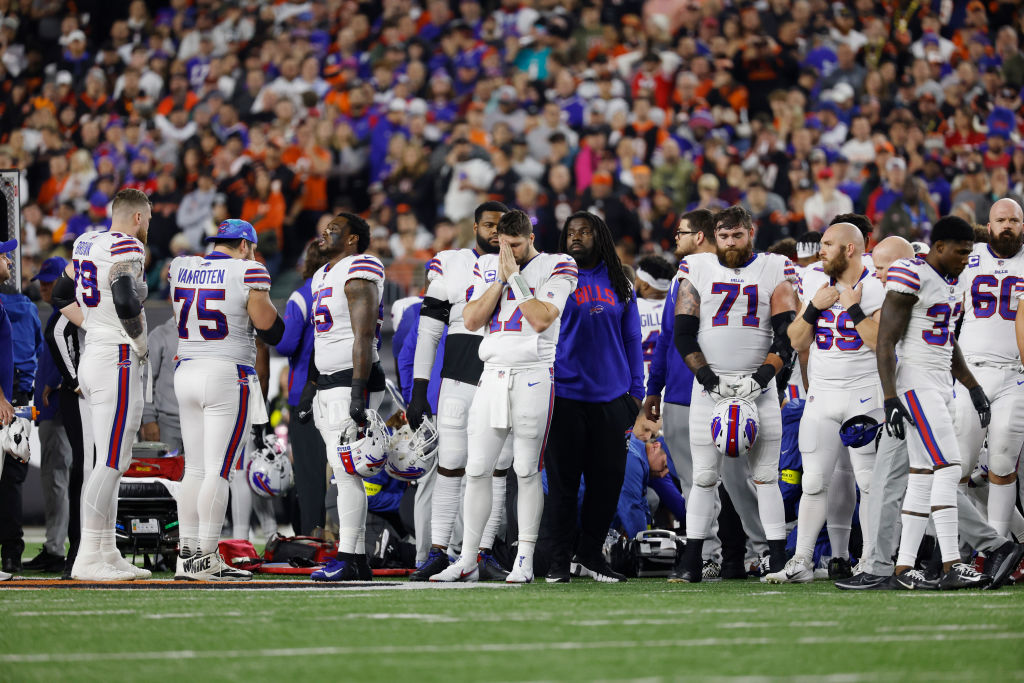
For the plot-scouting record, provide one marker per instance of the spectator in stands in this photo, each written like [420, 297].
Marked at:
[827, 203]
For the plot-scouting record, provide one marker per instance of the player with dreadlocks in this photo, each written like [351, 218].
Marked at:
[598, 389]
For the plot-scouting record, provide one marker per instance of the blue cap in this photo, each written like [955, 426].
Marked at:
[51, 269]
[8, 246]
[233, 229]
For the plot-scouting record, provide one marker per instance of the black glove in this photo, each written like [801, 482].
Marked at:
[260, 433]
[357, 408]
[708, 379]
[305, 406]
[981, 404]
[419, 405]
[895, 414]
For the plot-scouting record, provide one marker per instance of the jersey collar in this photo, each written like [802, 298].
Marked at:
[215, 255]
[948, 280]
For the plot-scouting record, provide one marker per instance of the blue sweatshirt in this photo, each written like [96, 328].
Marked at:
[6, 355]
[48, 375]
[599, 355]
[404, 347]
[297, 341]
[26, 338]
[668, 370]
[633, 513]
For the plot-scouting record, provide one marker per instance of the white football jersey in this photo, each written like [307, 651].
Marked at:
[210, 295]
[93, 255]
[509, 340]
[650, 329]
[332, 340]
[735, 308]
[839, 358]
[450, 277]
[928, 340]
[990, 307]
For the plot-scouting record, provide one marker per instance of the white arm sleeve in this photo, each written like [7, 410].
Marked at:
[427, 339]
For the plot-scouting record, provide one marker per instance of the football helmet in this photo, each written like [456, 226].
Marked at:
[15, 439]
[366, 455]
[860, 430]
[411, 454]
[269, 472]
[734, 426]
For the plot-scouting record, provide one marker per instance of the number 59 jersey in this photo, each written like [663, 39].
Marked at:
[735, 308]
[93, 256]
[210, 295]
[839, 358]
[509, 340]
[928, 340]
[990, 306]
[332, 322]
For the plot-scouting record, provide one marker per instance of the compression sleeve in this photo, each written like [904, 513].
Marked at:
[273, 335]
[125, 302]
[427, 339]
[63, 292]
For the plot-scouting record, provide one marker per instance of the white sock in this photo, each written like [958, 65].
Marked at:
[241, 505]
[772, 511]
[524, 558]
[443, 508]
[919, 488]
[1001, 501]
[700, 507]
[867, 538]
[351, 512]
[102, 485]
[188, 512]
[842, 500]
[946, 533]
[530, 507]
[497, 512]
[90, 542]
[213, 504]
[809, 522]
[476, 507]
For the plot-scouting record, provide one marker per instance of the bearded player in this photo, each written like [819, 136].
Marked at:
[518, 298]
[733, 311]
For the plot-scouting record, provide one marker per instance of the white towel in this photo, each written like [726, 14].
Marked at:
[257, 406]
[499, 401]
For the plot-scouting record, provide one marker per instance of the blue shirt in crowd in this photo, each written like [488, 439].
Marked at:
[599, 355]
[297, 341]
[668, 370]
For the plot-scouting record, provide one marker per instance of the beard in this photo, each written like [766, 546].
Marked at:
[1007, 244]
[485, 247]
[736, 256]
[834, 267]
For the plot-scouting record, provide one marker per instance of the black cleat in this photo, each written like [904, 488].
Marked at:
[363, 567]
[962, 575]
[689, 568]
[437, 561]
[1000, 564]
[733, 570]
[866, 582]
[489, 568]
[45, 561]
[595, 567]
[558, 575]
[839, 569]
[914, 579]
[777, 555]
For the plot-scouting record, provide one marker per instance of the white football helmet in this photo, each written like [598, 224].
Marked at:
[734, 426]
[15, 439]
[270, 472]
[412, 454]
[367, 454]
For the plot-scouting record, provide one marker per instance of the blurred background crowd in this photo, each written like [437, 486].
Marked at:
[411, 112]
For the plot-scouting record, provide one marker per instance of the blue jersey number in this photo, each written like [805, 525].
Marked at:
[200, 299]
[88, 282]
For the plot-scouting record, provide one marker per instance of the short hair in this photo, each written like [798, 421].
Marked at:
[129, 200]
[358, 227]
[515, 223]
[488, 206]
[863, 223]
[233, 243]
[952, 229]
[811, 237]
[702, 220]
[658, 267]
[733, 217]
[785, 246]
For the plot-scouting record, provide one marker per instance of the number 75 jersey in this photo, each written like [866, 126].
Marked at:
[928, 340]
[332, 321]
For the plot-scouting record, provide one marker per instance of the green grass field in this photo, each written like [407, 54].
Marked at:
[644, 629]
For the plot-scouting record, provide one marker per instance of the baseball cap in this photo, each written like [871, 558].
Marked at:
[895, 162]
[702, 117]
[233, 229]
[602, 178]
[8, 246]
[64, 78]
[1001, 123]
[76, 35]
[98, 200]
[51, 269]
[397, 105]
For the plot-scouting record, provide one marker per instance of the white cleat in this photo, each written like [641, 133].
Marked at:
[458, 572]
[96, 569]
[211, 567]
[179, 569]
[124, 565]
[520, 574]
[4, 576]
[797, 570]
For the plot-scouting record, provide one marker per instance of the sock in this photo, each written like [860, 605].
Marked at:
[524, 558]
[699, 508]
[443, 508]
[212, 505]
[351, 512]
[96, 496]
[497, 512]
[1001, 499]
[188, 512]
[530, 507]
[90, 542]
[772, 511]
[809, 523]
[919, 488]
[476, 507]
[867, 538]
[842, 499]
[241, 506]
[943, 495]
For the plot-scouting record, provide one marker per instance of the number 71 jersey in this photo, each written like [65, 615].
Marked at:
[928, 340]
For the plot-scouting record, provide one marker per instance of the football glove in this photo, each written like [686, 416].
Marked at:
[419, 406]
[711, 383]
[746, 388]
[357, 407]
[895, 414]
[305, 406]
[981, 404]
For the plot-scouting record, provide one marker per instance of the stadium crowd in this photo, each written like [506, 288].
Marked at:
[413, 114]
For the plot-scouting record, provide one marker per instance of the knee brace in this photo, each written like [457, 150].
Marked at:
[944, 486]
[705, 478]
[919, 489]
[765, 474]
[525, 467]
[477, 467]
[452, 449]
[1000, 462]
[813, 483]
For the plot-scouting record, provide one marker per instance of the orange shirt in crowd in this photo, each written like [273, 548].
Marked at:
[266, 214]
[312, 183]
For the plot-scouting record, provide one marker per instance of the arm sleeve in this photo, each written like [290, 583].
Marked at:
[634, 348]
[632, 509]
[295, 319]
[656, 380]
[427, 338]
[60, 337]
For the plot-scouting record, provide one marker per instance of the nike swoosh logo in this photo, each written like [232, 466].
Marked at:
[1019, 383]
[532, 384]
[331, 575]
[463, 574]
[865, 400]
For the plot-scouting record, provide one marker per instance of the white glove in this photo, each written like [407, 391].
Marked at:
[15, 439]
[745, 388]
[140, 346]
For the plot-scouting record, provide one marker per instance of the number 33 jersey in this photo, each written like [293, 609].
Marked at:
[839, 358]
[990, 306]
[210, 295]
[509, 340]
[332, 322]
[928, 340]
[735, 308]
[93, 256]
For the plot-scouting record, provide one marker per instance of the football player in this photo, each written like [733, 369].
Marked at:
[450, 281]
[518, 297]
[731, 318]
[106, 280]
[922, 302]
[653, 278]
[221, 303]
[345, 375]
[993, 272]
[839, 325]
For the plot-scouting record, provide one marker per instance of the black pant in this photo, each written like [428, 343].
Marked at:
[72, 418]
[12, 543]
[588, 439]
[310, 467]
